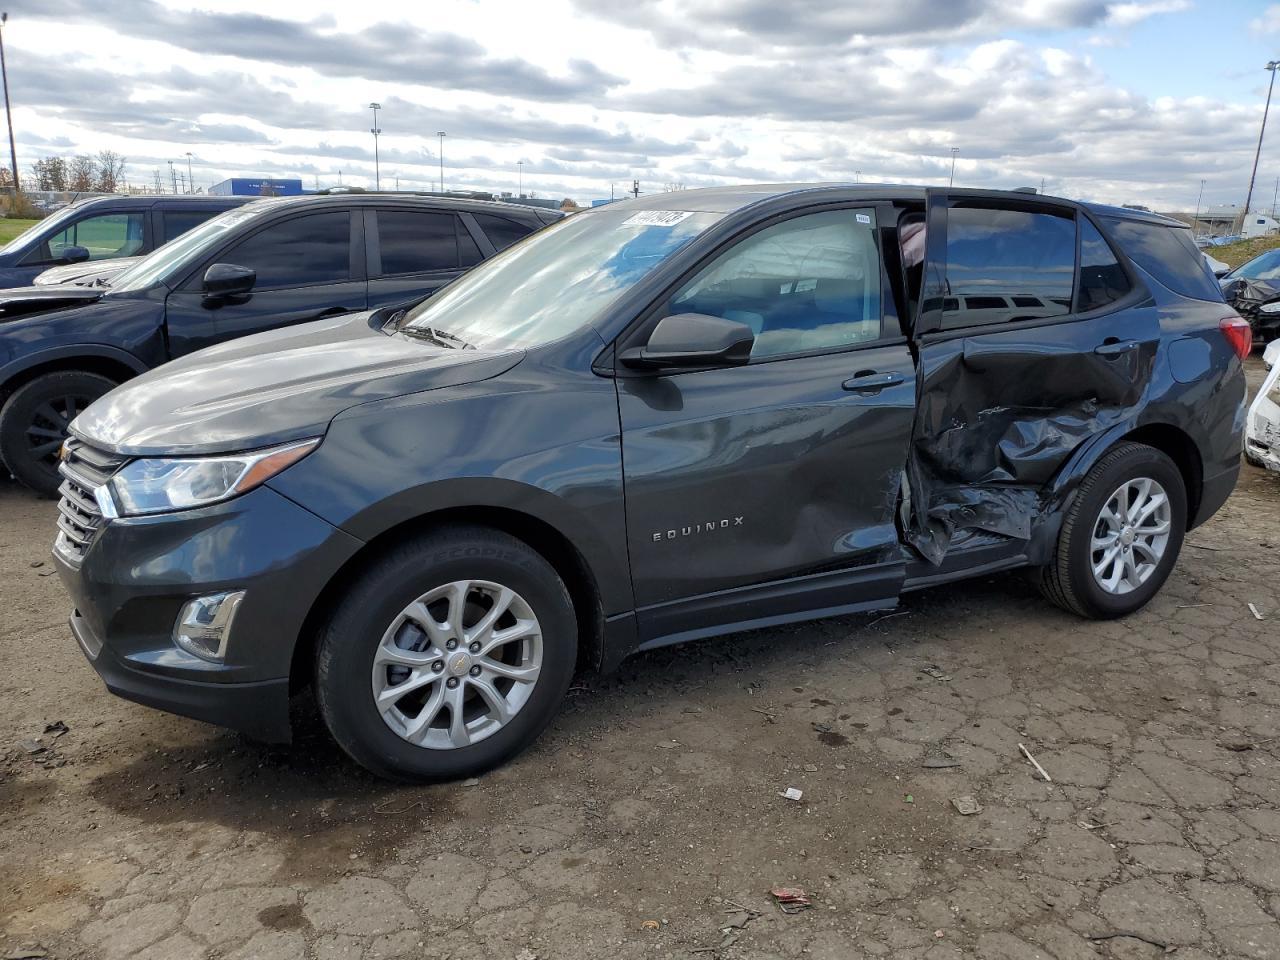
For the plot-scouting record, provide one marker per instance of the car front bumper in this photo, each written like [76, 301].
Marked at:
[1262, 426]
[139, 572]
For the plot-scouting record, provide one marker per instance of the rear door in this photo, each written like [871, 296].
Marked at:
[309, 266]
[1033, 337]
[413, 253]
[769, 489]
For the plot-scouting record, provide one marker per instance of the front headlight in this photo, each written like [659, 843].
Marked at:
[1272, 307]
[180, 483]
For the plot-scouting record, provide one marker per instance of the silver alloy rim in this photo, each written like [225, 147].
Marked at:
[1130, 536]
[457, 664]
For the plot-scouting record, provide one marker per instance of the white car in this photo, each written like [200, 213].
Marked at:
[1262, 428]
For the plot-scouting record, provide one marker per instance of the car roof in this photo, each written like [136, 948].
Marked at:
[152, 199]
[372, 198]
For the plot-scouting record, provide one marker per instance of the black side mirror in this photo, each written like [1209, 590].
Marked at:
[693, 340]
[73, 254]
[228, 280]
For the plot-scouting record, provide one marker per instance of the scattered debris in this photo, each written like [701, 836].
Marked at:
[668, 744]
[769, 715]
[650, 925]
[908, 799]
[1237, 746]
[57, 728]
[26, 953]
[966, 806]
[889, 616]
[32, 747]
[738, 919]
[1035, 763]
[526, 954]
[936, 672]
[471, 782]
[790, 899]
[936, 758]
[810, 768]
[1188, 606]
[791, 793]
[1256, 614]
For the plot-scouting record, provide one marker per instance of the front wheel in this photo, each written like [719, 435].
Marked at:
[34, 421]
[447, 657]
[1121, 536]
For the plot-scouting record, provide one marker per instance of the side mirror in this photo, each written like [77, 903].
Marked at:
[693, 340]
[1221, 272]
[228, 280]
[73, 254]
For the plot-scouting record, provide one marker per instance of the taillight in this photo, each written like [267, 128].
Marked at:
[1238, 333]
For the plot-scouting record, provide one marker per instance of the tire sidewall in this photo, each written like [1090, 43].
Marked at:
[15, 418]
[355, 632]
[1140, 462]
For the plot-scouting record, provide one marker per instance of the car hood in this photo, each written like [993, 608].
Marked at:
[85, 274]
[274, 387]
[23, 301]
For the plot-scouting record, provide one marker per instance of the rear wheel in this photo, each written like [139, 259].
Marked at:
[1121, 536]
[34, 421]
[447, 657]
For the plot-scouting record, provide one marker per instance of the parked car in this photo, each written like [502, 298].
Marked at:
[90, 273]
[659, 420]
[1217, 267]
[1253, 289]
[1262, 428]
[104, 228]
[269, 264]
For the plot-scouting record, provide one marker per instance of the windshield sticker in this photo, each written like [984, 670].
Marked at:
[657, 218]
[863, 218]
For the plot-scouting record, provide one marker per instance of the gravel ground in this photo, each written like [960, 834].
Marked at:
[647, 822]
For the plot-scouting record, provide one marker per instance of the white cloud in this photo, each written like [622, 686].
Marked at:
[1269, 22]
[1127, 14]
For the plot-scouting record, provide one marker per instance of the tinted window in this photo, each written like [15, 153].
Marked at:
[501, 232]
[305, 250]
[1264, 267]
[812, 283]
[467, 250]
[177, 222]
[413, 242]
[1102, 279]
[999, 261]
[105, 237]
[1170, 255]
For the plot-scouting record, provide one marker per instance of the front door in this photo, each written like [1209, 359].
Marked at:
[769, 489]
[309, 267]
[1033, 337]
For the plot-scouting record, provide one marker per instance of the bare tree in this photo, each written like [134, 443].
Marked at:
[6, 178]
[50, 173]
[81, 173]
[110, 171]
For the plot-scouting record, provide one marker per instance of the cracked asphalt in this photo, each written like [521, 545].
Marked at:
[648, 821]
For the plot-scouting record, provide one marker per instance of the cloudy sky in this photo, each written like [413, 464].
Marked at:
[1131, 102]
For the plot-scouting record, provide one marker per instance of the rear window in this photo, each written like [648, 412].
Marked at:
[1170, 255]
[177, 222]
[502, 232]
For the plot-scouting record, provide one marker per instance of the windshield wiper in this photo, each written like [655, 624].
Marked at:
[440, 337]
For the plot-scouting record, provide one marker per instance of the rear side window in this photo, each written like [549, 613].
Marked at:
[413, 242]
[1102, 279]
[502, 232]
[174, 223]
[299, 252]
[1170, 255]
[1005, 265]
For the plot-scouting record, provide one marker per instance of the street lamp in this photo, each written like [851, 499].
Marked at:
[173, 177]
[13, 151]
[1258, 153]
[440, 134]
[191, 181]
[954, 151]
[376, 130]
[1195, 226]
[520, 179]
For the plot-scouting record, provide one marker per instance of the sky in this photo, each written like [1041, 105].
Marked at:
[1121, 102]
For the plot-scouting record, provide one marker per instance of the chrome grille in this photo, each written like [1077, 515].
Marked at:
[84, 469]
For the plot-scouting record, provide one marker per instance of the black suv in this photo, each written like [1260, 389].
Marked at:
[104, 228]
[660, 420]
[265, 265]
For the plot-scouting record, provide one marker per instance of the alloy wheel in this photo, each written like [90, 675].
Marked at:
[1130, 536]
[48, 427]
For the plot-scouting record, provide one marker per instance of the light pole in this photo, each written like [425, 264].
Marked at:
[4, 70]
[952, 181]
[520, 179]
[191, 181]
[1261, 132]
[376, 130]
[857, 176]
[1195, 226]
[440, 134]
[173, 177]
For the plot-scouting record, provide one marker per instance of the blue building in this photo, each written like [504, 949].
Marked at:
[257, 187]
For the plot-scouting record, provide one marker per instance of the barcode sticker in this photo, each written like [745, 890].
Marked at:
[863, 218]
[657, 218]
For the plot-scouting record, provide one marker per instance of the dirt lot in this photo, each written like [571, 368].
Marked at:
[648, 822]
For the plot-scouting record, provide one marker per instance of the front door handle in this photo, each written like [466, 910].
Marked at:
[1114, 348]
[871, 382]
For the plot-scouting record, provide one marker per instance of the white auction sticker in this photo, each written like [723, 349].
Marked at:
[657, 218]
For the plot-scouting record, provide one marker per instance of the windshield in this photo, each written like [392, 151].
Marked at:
[163, 262]
[50, 223]
[554, 282]
[1264, 267]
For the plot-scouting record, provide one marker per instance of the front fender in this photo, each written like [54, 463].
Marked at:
[12, 368]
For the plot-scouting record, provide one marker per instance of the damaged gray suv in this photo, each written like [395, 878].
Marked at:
[664, 419]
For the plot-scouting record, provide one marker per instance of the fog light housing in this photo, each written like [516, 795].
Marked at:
[204, 625]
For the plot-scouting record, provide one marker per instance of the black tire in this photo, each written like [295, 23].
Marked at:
[34, 420]
[347, 645]
[1068, 581]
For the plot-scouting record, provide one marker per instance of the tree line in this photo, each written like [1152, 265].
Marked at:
[83, 173]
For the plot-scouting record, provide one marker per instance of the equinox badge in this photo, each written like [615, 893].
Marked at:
[708, 527]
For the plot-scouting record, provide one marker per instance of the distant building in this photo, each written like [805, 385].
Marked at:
[257, 187]
[1260, 225]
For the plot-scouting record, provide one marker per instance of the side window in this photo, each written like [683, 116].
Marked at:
[1265, 267]
[1170, 255]
[1102, 279]
[105, 237]
[502, 232]
[812, 283]
[177, 222]
[299, 252]
[413, 242]
[1006, 265]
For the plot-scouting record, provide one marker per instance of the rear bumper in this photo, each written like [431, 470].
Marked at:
[1215, 492]
[259, 709]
